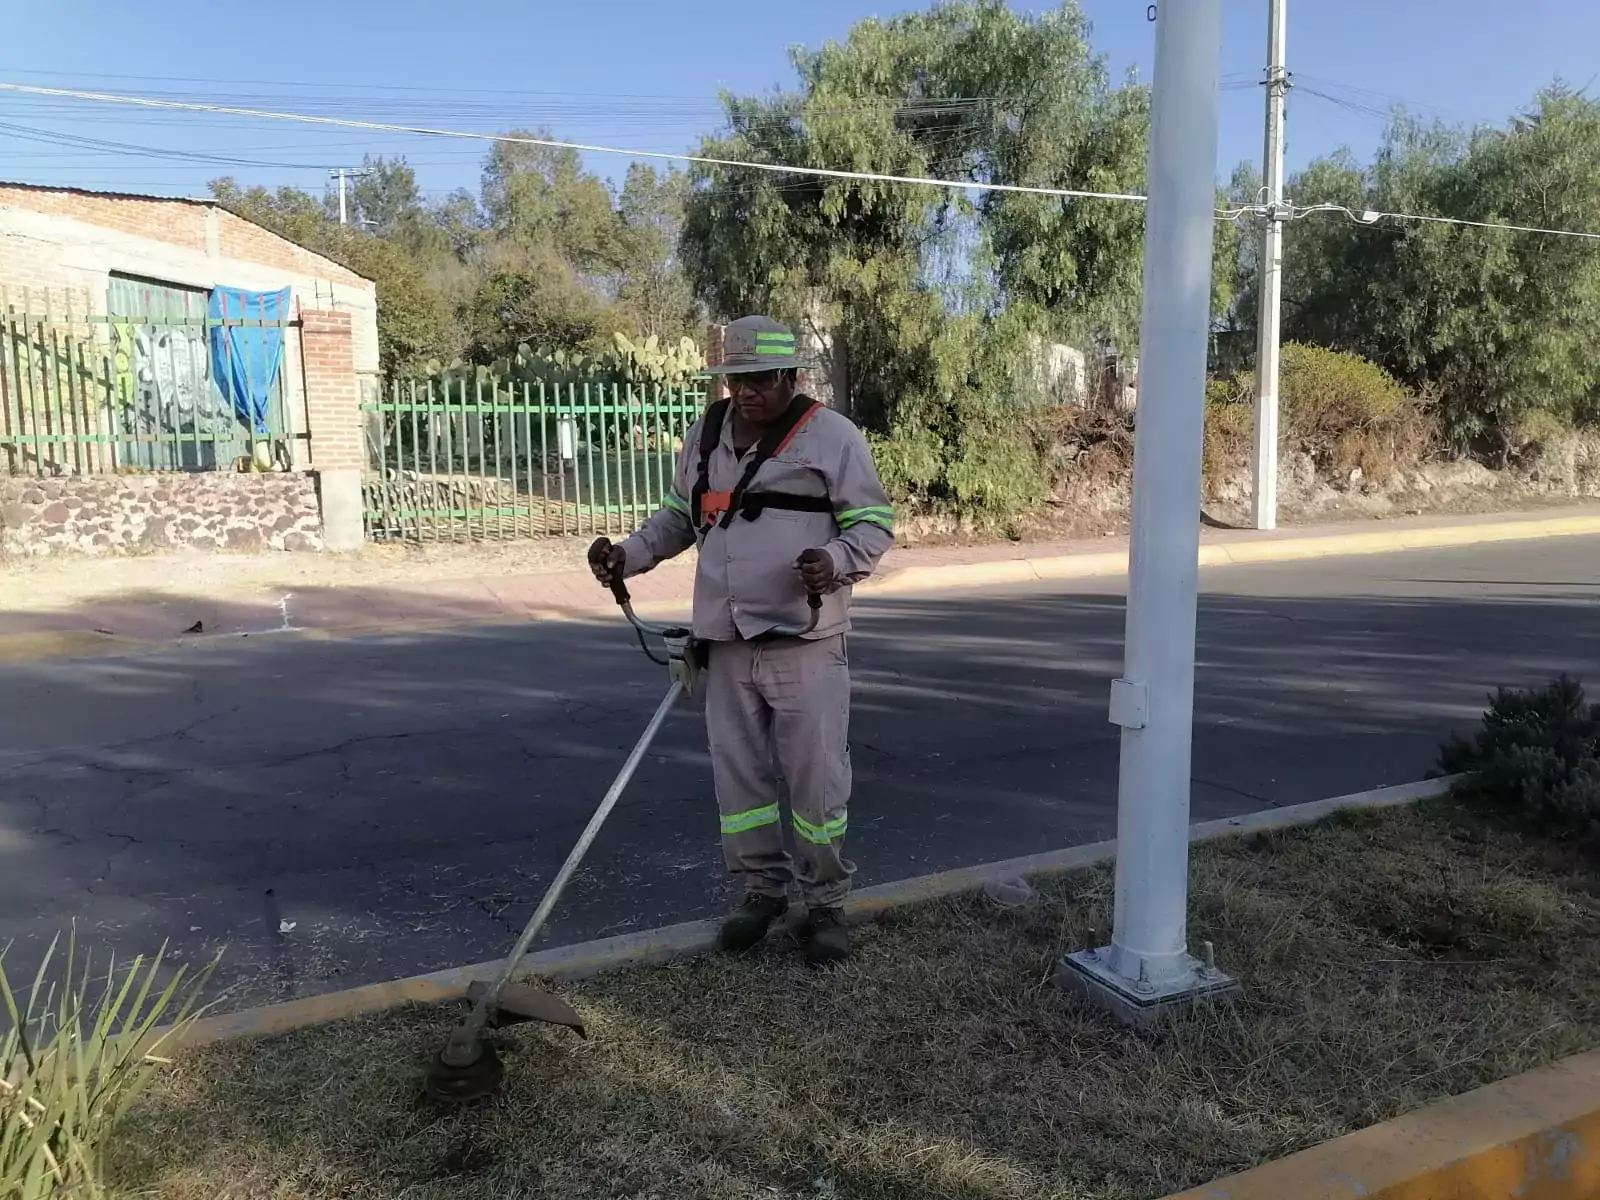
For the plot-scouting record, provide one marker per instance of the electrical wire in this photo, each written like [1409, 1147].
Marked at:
[1297, 212]
[1370, 217]
[89, 145]
[1320, 86]
[555, 143]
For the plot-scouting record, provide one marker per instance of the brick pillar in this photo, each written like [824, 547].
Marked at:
[333, 417]
[715, 389]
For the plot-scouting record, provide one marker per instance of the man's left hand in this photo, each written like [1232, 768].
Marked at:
[816, 571]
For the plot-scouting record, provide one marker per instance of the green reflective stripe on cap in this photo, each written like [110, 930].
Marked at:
[821, 835]
[670, 500]
[774, 335]
[751, 818]
[872, 516]
[776, 351]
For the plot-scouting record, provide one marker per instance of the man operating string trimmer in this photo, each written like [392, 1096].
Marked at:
[782, 497]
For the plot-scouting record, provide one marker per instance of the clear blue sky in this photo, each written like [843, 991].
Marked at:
[645, 74]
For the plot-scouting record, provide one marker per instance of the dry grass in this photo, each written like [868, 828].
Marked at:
[1390, 959]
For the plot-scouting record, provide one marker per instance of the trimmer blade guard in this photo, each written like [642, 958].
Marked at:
[519, 1004]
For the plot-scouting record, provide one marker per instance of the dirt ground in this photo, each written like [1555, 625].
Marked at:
[1388, 959]
[43, 584]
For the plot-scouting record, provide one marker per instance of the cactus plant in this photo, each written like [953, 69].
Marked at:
[647, 362]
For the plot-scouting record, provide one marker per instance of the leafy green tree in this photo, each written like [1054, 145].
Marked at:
[415, 322]
[940, 297]
[539, 198]
[1496, 324]
[652, 287]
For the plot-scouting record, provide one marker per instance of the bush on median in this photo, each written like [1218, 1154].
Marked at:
[1537, 758]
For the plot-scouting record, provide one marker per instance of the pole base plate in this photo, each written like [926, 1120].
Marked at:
[1087, 973]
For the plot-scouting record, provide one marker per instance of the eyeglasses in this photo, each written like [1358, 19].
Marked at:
[754, 381]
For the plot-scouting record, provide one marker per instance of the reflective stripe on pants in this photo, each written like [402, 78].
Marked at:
[782, 709]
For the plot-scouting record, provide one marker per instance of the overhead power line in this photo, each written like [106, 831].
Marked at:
[90, 145]
[555, 143]
[1367, 217]
[1372, 217]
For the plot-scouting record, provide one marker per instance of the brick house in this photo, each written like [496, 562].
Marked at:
[100, 263]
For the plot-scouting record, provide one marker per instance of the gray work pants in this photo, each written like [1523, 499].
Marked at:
[782, 708]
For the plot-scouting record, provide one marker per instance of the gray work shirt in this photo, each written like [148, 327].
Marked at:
[746, 583]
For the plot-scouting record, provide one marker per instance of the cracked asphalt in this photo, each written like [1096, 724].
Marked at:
[341, 812]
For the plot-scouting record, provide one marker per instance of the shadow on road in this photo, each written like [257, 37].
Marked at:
[339, 812]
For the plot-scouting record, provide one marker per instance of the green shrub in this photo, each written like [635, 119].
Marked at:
[1342, 410]
[75, 1057]
[1536, 757]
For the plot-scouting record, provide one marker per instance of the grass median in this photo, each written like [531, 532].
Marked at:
[1389, 959]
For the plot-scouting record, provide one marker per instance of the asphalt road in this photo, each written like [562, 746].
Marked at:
[337, 813]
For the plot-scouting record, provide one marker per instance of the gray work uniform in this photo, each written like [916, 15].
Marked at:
[778, 705]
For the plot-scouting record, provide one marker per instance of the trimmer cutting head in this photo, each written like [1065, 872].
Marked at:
[462, 1082]
[468, 1067]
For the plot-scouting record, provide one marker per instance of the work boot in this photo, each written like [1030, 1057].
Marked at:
[748, 924]
[824, 936]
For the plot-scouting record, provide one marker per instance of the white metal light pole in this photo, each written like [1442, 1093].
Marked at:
[1264, 459]
[1147, 966]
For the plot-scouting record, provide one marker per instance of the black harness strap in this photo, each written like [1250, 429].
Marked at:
[710, 435]
[750, 504]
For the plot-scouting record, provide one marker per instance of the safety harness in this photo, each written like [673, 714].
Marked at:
[718, 508]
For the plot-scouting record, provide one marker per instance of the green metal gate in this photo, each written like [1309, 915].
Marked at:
[88, 392]
[454, 460]
[173, 412]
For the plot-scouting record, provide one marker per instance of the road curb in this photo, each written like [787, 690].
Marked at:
[677, 941]
[896, 581]
[1220, 554]
[1533, 1137]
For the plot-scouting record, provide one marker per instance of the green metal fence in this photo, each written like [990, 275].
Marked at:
[86, 393]
[457, 460]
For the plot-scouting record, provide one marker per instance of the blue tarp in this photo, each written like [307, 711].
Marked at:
[245, 359]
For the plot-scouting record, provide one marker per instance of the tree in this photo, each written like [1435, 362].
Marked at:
[415, 322]
[652, 287]
[940, 296]
[385, 200]
[539, 198]
[1497, 324]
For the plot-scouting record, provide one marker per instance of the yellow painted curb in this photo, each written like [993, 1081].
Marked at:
[1532, 1137]
[1238, 553]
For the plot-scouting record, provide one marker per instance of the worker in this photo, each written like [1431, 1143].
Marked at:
[781, 495]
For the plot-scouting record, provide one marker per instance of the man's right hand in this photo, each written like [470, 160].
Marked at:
[607, 561]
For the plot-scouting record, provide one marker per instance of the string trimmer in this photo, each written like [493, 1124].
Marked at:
[468, 1067]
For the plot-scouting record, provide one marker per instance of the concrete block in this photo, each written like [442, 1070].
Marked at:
[339, 494]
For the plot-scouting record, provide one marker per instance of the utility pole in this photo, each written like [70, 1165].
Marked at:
[341, 173]
[1147, 966]
[1264, 458]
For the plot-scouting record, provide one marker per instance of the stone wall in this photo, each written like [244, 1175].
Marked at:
[112, 514]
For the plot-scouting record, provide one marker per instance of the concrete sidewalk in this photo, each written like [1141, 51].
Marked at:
[103, 624]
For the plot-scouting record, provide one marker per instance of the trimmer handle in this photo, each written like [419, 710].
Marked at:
[619, 590]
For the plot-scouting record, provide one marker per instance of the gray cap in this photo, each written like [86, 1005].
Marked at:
[757, 344]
